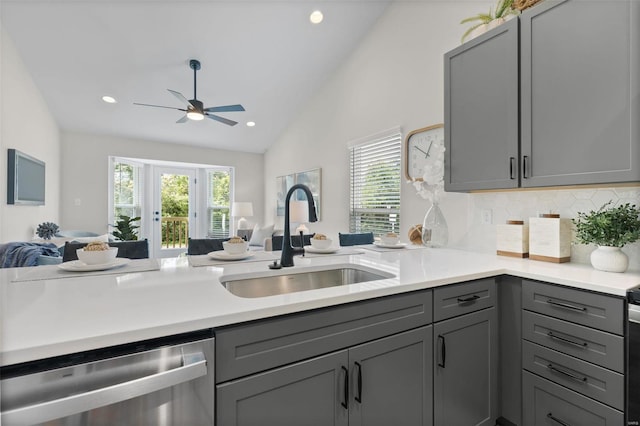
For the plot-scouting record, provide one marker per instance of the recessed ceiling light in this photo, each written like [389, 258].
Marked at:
[316, 17]
[250, 123]
[109, 99]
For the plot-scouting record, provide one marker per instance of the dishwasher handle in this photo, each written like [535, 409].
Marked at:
[193, 366]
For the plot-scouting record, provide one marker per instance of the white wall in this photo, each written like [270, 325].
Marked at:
[26, 125]
[394, 78]
[85, 174]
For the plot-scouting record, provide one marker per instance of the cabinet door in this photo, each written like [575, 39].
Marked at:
[580, 92]
[307, 393]
[481, 112]
[466, 369]
[391, 380]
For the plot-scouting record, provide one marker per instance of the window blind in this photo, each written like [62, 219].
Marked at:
[375, 184]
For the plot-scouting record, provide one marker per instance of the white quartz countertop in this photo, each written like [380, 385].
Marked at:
[51, 317]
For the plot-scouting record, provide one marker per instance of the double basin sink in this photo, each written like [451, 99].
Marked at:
[251, 286]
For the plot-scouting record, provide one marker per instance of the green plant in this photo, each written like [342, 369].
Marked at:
[503, 9]
[613, 227]
[125, 229]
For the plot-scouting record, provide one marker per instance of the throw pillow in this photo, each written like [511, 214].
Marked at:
[260, 234]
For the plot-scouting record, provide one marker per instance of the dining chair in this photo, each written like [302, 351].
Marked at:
[355, 239]
[126, 249]
[204, 245]
[276, 241]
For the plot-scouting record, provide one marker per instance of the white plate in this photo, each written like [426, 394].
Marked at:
[393, 246]
[78, 266]
[312, 249]
[223, 255]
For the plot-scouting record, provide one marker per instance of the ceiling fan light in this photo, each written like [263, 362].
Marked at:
[195, 115]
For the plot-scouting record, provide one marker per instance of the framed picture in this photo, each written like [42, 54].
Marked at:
[311, 178]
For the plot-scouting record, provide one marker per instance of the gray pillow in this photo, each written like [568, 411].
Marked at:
[260, 234]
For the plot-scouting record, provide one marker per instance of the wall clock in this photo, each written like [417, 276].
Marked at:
[419, 146]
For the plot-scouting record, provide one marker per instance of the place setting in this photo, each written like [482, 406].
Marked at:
[387, 242]
[234, 250]
[321, 245]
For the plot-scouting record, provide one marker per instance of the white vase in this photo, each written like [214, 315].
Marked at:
[610, 259]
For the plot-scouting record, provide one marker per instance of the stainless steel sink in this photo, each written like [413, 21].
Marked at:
[299, 281]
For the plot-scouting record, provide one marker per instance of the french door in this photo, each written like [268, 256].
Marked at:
[173, 213]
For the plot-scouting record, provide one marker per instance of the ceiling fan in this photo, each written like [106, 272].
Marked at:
[195, 109]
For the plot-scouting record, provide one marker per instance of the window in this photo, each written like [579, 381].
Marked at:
[127, 188]
[219, 202]
[375, 183]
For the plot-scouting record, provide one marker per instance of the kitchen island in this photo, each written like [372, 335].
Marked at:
[46, 318]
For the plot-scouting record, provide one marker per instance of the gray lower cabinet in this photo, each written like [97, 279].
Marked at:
[383, 382]
[546, 403]
[466, 369]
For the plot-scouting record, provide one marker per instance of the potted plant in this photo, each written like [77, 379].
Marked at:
[125, 229]
[487, 21]
[610, 229]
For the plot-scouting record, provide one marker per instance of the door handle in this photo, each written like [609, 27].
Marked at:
[564, 339]
[525, 163]
[470, 299]
[345, 397]
[566, 373]
[443, 351]
[512, 161]
[358, 397]
[560, 422]
[566, 305]
[193, 366]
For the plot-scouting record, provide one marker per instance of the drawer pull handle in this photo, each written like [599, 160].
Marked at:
[443, 351]
[469, 299]
[358, 397]
[566, 305]
[345, 401]
[571, 376]
[563, 339]
[560, 422]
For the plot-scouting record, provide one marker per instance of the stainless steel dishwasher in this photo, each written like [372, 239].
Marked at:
[633, 373]
[167, 381]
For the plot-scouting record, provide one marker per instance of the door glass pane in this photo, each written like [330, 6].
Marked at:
[219, 203]
[174, 192]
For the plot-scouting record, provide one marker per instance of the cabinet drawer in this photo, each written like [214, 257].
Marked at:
[546, 403]
[598, 347]
[459, 299]
[588, 379]
[590, 309]
[253, 347]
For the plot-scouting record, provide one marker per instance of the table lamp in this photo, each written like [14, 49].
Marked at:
[299, 213]
[242, 209]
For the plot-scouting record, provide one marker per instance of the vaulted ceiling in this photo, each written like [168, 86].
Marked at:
[263, 54]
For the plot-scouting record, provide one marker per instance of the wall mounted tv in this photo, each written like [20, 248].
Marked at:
[25, 179]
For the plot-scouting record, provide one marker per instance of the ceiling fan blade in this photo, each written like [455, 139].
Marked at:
[159, 106]
[181, 97]
[225, 108]
[184, 119]
[222, 119]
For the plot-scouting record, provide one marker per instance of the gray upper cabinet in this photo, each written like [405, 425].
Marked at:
[481, 112]
[580, 92]
[576, 119]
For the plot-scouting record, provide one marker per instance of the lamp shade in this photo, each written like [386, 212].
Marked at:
[241, 209]
[298, 211]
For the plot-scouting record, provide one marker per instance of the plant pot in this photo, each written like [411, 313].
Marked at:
[610, 259]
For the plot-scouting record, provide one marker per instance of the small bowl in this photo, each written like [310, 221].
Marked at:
[100, 257]
[320, 244]
[235, 248]
[389, 240]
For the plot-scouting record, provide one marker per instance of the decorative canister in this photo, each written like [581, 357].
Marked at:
[550, 238]
[512, 239]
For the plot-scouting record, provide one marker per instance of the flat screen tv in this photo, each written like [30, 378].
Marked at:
[25, 179]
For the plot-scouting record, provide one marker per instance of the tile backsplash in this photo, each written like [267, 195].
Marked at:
[498, 207]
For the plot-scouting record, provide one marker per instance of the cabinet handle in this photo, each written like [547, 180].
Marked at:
[512, 161]
[560, 422]
[567, 306]
[525, 161]
[358, 397]
[443, 351]
[469, 299]
[563, 339]
[571, 376]
[345, 400]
